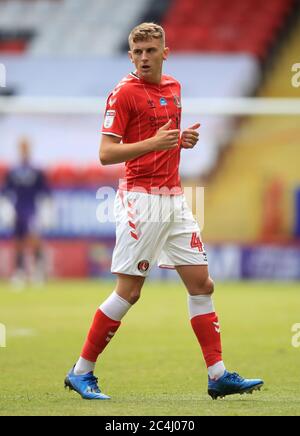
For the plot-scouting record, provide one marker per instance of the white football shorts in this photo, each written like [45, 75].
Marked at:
[154, 229]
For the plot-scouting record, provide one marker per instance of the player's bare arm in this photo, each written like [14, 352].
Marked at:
[190, 136]
[112, 151]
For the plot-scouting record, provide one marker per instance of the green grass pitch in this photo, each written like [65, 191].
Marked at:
[153, 366]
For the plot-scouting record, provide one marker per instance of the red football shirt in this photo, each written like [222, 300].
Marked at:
[135, 111]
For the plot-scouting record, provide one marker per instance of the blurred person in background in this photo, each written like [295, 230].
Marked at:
[24, 185]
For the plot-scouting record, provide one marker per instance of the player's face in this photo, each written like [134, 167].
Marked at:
[148, 58]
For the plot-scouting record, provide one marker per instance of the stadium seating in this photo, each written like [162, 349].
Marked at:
[75, 138]
[69, 27]
[96, 175]
[13, 43]
[63, 176]
[249, 26]
[260, 204]
[66, 175]
[279, 84]
[3, 171]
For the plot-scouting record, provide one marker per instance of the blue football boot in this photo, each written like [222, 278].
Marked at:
[85, 385]
[230, 384]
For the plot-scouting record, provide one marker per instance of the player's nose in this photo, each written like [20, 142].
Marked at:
[144, 56]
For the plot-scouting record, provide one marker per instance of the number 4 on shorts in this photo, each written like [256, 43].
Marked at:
[196, 242]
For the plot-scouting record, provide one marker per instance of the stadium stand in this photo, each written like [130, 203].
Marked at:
[92, 175]
[266, 152]
[279, 85]
[3, 171]
[66, 27]
[223, 30]
[94, 30]
[64, 49]
[55, 136]
[247, 26]
[14, 42]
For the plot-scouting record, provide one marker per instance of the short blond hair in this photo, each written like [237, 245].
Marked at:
[145, 32]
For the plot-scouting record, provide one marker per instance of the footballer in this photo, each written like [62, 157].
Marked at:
[142, 127]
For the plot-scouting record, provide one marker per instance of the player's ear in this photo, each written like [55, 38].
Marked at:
[130, 56]
[166, 53]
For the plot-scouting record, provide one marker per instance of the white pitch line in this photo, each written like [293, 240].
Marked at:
[21, 333]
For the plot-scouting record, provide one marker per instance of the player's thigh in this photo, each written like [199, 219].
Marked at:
[129, 287]
[196, 279]
[20, 231]
[20, 244]
[26, 232]
[34, 241]
[140, 234]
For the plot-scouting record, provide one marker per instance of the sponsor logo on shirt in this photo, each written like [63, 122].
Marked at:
[163, 102]
[157, 122]
[109, 119]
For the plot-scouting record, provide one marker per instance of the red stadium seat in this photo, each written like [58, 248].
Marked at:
[113, 173]
[97, 175]
[13, 46]
[68, 176]
[3, 172]
[222, 26]
[92, 175]
[63, 176]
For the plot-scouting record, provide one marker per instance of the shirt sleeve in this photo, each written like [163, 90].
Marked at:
[117, 114]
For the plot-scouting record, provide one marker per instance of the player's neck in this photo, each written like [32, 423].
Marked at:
[151, 80]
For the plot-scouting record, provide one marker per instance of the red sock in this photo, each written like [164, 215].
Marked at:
[102, 331]
[207, 330]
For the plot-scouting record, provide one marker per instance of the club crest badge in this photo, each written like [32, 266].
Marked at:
[143, 266]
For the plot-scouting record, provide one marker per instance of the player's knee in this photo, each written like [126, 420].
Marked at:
[134, 296]
[209, 286]
[203, 287]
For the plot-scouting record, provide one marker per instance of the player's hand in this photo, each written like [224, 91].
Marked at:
[166, 139]
[190, 136]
